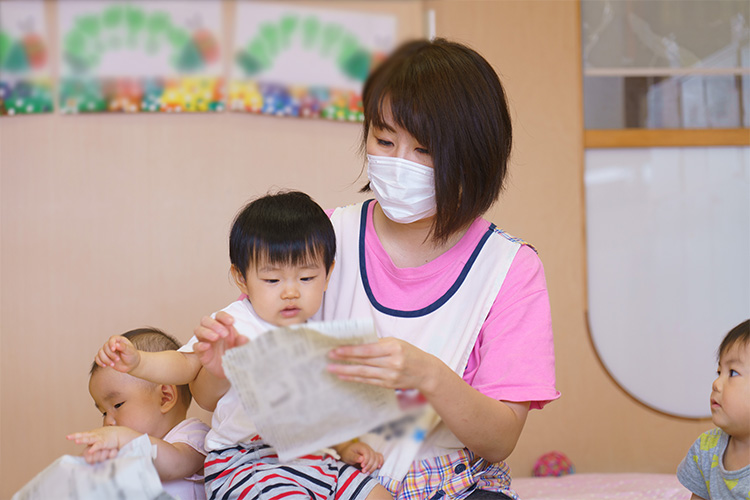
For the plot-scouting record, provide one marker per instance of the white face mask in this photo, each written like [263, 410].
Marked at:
[405, 190]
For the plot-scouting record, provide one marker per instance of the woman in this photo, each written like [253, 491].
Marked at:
[461, 307]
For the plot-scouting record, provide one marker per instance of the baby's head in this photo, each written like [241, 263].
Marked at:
[282, 248]
[128, 401]
[730, 394]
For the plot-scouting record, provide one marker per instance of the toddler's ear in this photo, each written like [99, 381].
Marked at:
[168, 397]
[239, 280]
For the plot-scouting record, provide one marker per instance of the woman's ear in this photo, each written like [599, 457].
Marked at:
[239, 280]
[168, 397]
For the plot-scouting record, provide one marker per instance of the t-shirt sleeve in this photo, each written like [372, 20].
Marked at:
[690, 474]
[514, 358]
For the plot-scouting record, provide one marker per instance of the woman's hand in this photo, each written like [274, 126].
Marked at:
[488, 427]
[390, 362]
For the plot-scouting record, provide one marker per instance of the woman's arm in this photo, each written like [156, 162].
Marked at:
[488, 427]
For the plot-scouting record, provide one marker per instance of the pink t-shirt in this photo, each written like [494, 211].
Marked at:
[513, 358]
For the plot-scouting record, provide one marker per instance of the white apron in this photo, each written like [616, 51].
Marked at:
[447, 328]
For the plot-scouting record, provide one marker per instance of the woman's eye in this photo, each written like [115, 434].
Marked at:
[422, 151]
[383, 142]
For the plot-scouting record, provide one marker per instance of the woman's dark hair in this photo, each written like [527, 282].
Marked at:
[286, 228]
[451, 100]
[739, 334]
[150, 339]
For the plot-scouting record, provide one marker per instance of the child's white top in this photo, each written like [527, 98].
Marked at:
[192, 432]
[230, 425]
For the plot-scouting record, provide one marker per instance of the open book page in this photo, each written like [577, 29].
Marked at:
[131, 475]
[297, 406]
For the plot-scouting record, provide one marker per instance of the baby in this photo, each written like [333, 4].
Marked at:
[718, 463]
[282, 249]
[131, 407]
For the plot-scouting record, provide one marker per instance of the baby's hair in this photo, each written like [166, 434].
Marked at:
[151, 339]
[286, 228]
[451, 100]
[739, 334]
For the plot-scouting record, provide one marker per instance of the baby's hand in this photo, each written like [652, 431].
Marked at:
[359, 453]
[118, 353]
[103, 443]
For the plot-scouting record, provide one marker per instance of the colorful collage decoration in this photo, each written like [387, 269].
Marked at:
[25, 79]
[140, 56]
[304, 61]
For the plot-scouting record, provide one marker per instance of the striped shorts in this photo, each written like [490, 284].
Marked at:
[256, 473]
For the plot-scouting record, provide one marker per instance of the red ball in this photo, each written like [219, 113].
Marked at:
[553, 463]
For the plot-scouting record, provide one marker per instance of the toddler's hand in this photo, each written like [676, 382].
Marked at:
[359, 453]
[118, 353]
[215, 337]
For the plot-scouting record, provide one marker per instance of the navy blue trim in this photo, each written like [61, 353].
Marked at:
[425, 310]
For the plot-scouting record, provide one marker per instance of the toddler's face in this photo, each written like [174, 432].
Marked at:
[285, 294]
[126, 400]
[730, 395]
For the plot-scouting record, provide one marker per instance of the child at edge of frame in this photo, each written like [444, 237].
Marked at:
[718, 463]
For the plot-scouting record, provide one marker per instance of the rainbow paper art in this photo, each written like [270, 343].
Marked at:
[141, 57]
[305, 62]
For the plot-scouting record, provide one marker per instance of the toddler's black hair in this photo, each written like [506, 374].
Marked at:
[739, 334]
[286, 228]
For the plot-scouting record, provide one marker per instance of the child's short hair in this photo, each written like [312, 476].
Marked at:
[739, 334]
[451, 100]
[150, 339]
[286, 228]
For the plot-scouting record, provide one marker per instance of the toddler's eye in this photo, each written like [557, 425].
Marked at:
[119, 405]
[732, 373]
[271, 281]
[307, 278]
